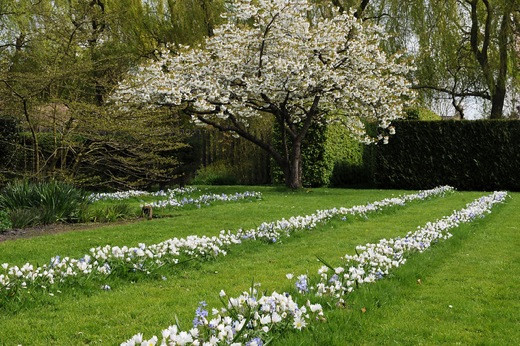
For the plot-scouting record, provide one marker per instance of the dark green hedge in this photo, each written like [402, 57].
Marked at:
[468, 155]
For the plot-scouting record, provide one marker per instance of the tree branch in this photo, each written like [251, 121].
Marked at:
[481, 94]
[361, 8]
[243, 133]
[262, 47]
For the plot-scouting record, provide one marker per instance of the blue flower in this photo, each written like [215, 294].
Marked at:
[255, 341]
[301, 284]
[200, 314]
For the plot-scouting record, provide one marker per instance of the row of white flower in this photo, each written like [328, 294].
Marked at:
[272, 231]
[121, 195]
[247, 319]
[374, 261]
[104, 260]
[254, 321]
[204, 199]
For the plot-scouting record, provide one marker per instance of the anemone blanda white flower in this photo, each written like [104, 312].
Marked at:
[248, 308]
[374, 259]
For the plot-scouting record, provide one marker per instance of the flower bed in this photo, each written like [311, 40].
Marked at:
[170, 193]
[374, 261]
[247, 318]
[272, 231]
[250, 320]
[204, 199]
[107, 260]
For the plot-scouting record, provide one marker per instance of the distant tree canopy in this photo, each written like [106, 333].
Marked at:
[58, 62]
[463, 49]
[60, 59]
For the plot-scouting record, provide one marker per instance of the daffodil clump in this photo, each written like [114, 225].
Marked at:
[108, 260]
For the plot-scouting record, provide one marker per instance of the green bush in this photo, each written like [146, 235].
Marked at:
[109, 212]
[42, 203]
[24, 217]
[351, 175]
[218, 173]
[325, 147]
[421, 113]
[315, 168]
[5, 222]
[468, 155]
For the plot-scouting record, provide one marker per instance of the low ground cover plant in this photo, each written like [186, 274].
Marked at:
[28, 204]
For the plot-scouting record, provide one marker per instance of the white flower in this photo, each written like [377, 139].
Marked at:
[265, 319]
[183, 338]
[275, 318]
[222, 293]
[315, 307]
[299, 323]
[289, 276]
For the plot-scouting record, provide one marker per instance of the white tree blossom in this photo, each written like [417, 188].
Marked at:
[279, 58]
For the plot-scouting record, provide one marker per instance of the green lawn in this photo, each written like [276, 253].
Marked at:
[477, 272]
[469, 293]
[276, 203]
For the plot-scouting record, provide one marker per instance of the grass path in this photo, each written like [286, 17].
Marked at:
[148, 305]
[469, 293]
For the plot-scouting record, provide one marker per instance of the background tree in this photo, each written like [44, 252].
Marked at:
[464, 50]
[59, 60]
[271, 59]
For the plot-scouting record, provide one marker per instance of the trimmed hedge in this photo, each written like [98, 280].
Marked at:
[469, 155]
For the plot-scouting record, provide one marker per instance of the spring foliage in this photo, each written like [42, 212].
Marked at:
[284, 59]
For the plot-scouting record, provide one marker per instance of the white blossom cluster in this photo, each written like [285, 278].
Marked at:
[105, 260]
[271, 231]
[175, 192]
[373, 261]
[121, 195]
[245, 320]
[205, 199]
[281, 57]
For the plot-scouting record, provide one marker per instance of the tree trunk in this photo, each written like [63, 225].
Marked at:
[497, 103]
[36, 148]
[293, 171]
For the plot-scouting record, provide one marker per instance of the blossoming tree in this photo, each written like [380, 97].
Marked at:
[282, 59]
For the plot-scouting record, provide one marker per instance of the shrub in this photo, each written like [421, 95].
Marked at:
[110, 212]
[325, 147]
[24, 217]
[42, 203]
[5, 223]
[468, 155]
[421, 113]
[218, 173]
[351, 175]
